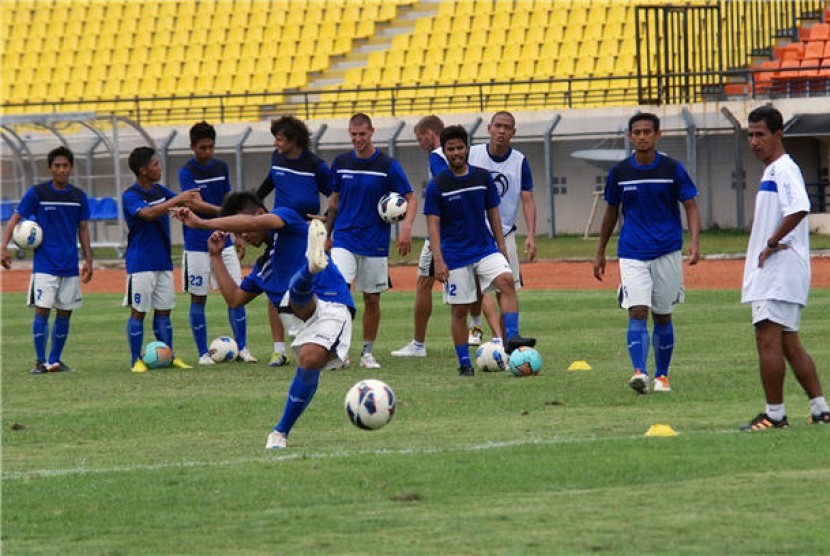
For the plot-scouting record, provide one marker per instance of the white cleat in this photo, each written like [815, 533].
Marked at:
[410, 350]
[368, 361]
[246, 356]
[639, 382]
[276, 441]
[206, 359]
[661, 384]
[316, 250]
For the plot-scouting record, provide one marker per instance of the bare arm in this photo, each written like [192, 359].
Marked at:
[157, 211]
[405, 236]
[86, 249]
[693, 221]
[331, 216]
[494, 216]
[609, 222]
[442, 272]
[787, 225]
[236, 223]
[233, 294]
[529, 209]
[5, 258]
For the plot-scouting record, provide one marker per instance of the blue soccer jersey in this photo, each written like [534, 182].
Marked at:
[148, 241]
[213, 182]
[297, 183]
[461, 203]
[650, 197]
[361, 182]
[59, 213]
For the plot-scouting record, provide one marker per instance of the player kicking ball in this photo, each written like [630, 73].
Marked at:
[317, 296]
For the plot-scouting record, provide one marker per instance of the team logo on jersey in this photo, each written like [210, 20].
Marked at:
[502, 183]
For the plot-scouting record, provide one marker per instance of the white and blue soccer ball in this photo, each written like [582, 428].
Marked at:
[28, 235]
[157, 355]
[223, 348]
[392, 207]
[525, 361]
[491, 357]
[370, 404]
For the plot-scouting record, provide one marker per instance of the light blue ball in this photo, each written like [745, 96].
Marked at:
[525, 361]
[157, 355]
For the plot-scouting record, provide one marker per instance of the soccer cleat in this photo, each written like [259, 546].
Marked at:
[410, 350]
[820, 419]
[206, 359]
[466, 371]
[139, 366]
[661, 384]
[368, 361]
[517, 342]
[763, 422]
[316, 250]
[246, 356]
[276, 441]
[179, 364]
[59, 367]
[279, 360]
[39, 368]
[639, 382]
[475, 335]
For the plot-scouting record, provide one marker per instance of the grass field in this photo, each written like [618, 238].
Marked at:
[103, 461]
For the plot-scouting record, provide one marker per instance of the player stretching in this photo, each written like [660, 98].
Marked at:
[428, 133]
[318, 296]
[465, 252]
[777, 274]
[649, 185]
[211, 178]
[360, 239]
[62, 210]
[149, 266]
[297, 177]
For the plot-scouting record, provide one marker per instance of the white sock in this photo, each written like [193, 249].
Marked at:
[418, 344]
[475, 321]
[498, 341]
[279, 347]
[818, 405]
[776, 411]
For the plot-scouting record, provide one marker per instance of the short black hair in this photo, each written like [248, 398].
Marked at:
[139, 158]
[60, 151]
[766, 113]
[202, 130]
[293, 129]
[241, 202]
[360, 119]
[454, 132]
[644, 116]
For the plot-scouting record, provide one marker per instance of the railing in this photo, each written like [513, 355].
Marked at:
[819, 194]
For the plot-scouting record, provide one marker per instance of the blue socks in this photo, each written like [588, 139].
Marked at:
[463, 353]
[300, 393]
[638, 343]
[163, 330]
[198, 325]
[60, 330]
[40, 327]
[663, 340]
[301, 288]
[239, 325]
[135, 337]
[511, 325]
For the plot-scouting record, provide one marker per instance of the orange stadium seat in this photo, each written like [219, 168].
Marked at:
[819, 32]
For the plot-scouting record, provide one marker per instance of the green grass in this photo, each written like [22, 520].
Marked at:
[103, 461]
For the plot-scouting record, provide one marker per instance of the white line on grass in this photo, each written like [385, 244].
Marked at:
[285, 457]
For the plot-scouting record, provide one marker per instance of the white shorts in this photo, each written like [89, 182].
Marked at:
[513, 259]
[461, 288]
[150, 290]
[54, 292]
[366, 274]
[330, 327]
[425, 264]
[787, 314]
[197, 272]
[657, 283]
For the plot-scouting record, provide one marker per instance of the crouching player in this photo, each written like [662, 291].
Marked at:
[295, 261]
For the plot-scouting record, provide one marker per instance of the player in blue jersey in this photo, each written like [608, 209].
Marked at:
[459, 202]
[297, 177]
[511, 173]
[62, 210]
[428, 134]
[359, 238]
[649, 188]
[318, 305]
[149, 265]
[211, 178]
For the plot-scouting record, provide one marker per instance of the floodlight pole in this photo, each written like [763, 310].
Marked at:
[738, 181]
[549, 173]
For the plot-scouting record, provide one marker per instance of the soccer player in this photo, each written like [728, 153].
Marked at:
[458, 204]
[62, 211]
[650, 186]
[318, 297]
[428, 134]
[211, 178]
[776, 279]
[149, 266]
[511, 173]
[359, 238]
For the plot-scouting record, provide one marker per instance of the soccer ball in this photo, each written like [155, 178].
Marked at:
[491, 357]
[370, 404]
[525, 361]
[223, 349]
[28, 234]
[157, 355]
[392, 207]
